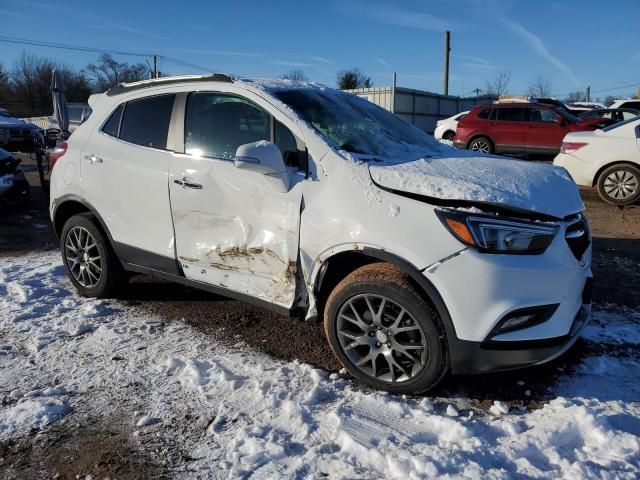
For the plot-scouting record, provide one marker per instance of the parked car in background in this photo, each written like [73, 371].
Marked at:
[315, 202]
[78, 113]
[13, 185]
[608, 159]
[16, 134]
[633, 103]
[614, 114]
[521, 128]
[591, 105]
[446, 129]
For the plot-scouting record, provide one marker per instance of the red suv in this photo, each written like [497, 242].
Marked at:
[519, 128]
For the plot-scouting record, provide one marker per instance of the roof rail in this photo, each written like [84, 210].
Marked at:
[129, 87]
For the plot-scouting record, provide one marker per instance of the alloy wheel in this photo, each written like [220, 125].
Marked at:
[620, 184]
[381, 338]
[480, 146]
[83, 257]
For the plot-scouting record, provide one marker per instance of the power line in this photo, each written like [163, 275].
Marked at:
[65, 46]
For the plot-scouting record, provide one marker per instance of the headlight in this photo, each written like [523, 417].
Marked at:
[498, 234]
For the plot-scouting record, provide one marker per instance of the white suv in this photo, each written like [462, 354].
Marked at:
[421, 259]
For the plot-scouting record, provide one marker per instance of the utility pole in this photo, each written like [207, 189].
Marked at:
[588, 93]
[393, 93]
[447, 51]
[155, 66]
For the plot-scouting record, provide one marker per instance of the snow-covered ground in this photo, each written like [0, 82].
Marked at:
[234, 412]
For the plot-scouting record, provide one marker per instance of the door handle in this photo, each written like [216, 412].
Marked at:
[91, 158]
[184, 184]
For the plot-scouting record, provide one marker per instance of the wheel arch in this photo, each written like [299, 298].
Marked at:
[602, 168]
[68, 206]
[475, 136]
[340, 264]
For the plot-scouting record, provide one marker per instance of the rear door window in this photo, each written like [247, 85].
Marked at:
[146, 121]
[511, 114]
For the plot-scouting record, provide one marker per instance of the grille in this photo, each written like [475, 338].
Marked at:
[578, 236]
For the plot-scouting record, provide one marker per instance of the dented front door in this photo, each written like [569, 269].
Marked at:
[233, 229]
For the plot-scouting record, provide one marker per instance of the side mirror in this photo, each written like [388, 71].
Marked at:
[638, 131]
[560, 121]
[265, 158]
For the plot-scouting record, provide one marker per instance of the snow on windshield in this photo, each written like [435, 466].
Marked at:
[355, 125]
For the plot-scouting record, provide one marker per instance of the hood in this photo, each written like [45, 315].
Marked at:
[11, 121]
[500, 182]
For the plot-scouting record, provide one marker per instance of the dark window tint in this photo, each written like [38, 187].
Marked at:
[485, 114]
[541, 115]
[286, 142]
[112, 125]
[146, 121]
[635, 105]
[217, 124]
[511, 114]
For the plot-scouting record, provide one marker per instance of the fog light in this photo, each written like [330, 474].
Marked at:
[524, 318]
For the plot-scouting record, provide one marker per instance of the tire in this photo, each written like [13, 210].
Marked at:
[448, 135]
[619, 184]
[379, 338]
[481, 145]
[90, 261]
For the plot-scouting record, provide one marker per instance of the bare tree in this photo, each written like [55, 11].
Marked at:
[5, 86]
[30, 85]
[297, 75]
[354, 78]
[109, 72]
[499, 85]
[540, 88]
[576, 96]
[609, 99]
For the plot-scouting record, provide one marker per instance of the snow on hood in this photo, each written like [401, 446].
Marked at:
[491, 180]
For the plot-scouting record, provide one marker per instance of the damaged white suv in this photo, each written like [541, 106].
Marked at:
[421, 259]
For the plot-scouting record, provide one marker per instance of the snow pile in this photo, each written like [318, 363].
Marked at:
[240, 413]
[31, 413]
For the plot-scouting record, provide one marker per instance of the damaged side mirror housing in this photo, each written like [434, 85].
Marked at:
[265, 158]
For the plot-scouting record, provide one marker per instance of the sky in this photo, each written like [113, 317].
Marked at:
[571, 44]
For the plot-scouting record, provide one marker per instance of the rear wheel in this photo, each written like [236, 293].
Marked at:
[619, 184]
[383, 332]
[89, 259]
[481, 145]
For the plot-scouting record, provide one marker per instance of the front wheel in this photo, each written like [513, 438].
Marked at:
[383, 332]
[620, 184]
[449, 135]
[481, 145]
[89, 259]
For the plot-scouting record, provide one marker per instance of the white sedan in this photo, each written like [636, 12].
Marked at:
[608, 159]
[446, 129]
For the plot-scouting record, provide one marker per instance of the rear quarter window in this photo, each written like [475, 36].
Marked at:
[112, 126]
[484, 114]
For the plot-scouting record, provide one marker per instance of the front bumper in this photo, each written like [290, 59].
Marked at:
[480, 290]
[491, 356]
